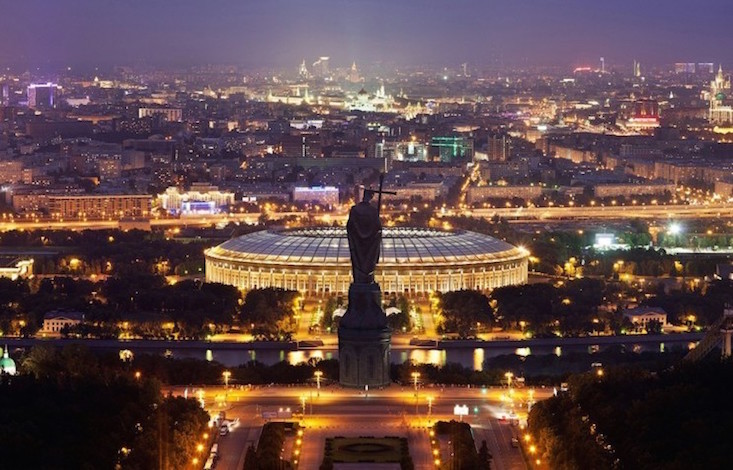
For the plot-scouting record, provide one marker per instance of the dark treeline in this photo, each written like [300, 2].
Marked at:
[68, 409]
[145, 301]
[674, 418]
[108, 251]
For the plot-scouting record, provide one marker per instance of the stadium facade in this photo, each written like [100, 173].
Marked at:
[414, 261]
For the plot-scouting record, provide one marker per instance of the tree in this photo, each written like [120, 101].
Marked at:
[484, 456]
[462, 310]
[653, 327]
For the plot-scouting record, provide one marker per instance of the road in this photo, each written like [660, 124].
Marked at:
[335, 411]
[522, 214]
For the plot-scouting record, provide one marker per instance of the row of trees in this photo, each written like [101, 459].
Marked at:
[145, 303]
[463, 450]
[540, 308]
[268, 455]
[109, 252]
[551, 251]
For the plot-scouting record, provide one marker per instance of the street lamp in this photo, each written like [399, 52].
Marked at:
[318, 375]
[302, 403]
[430, 406]
[226, 374]
[415, 377]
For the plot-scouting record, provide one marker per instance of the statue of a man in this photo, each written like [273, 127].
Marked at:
[364, 231]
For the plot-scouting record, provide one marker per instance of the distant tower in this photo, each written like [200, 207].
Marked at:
[637, 68]
[354, 74]
[464, 67]
[720, 111]
[603, 65]
[303, 71]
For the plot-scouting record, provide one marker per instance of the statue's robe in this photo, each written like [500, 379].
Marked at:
[364, 231]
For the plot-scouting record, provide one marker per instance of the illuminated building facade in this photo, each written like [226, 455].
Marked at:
[447, 149]
[112, 206]
[639, 115]
[324, 195]
[169, 114]
[13, 267]
[42, 95]
[413, 261]
[721, 111]
[199, 199]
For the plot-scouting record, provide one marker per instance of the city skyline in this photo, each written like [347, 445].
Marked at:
[281, 33]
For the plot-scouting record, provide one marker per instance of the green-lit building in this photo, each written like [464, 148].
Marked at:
[449, 148]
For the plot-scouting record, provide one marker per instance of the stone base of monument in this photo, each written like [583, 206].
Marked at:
[364, 339]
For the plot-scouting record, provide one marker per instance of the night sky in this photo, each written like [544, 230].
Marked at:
[437, 32]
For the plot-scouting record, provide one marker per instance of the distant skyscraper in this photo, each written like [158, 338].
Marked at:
[41, 95]
[637, 68]
[5, 95]
[321, 68]
[684, 67]
[706, 67]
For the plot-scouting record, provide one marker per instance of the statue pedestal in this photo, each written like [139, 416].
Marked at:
[364, 339]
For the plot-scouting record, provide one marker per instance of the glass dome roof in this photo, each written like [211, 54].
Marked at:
[400, 245]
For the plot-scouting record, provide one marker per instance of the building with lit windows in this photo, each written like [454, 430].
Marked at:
[42, 95]
[123, 205]
[721, 111]
[169, 114]
[413, 261]
[200, 198]
[447, 149]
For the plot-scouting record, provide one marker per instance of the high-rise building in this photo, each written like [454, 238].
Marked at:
[41, 95]
[637, 68]
[684, 67]
[321, 67]
[354, 74]
[498, 148]
[706, 67]
[721, 111]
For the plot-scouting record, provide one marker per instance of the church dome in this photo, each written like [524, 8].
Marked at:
[720, 96]
[7, 364]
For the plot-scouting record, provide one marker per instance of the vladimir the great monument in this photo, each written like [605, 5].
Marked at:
[364, 336]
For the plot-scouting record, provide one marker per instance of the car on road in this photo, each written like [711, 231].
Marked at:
[224, 430]
[515, 442]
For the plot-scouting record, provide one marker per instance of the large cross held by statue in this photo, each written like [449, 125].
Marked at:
[379, 191]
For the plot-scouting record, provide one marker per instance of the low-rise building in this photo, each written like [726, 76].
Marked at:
[324, 195]
[121, 205]
[483, 193]
[15, 267]
[56, 320]
[641, 316]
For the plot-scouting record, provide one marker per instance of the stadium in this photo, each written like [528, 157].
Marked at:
[413, 261]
